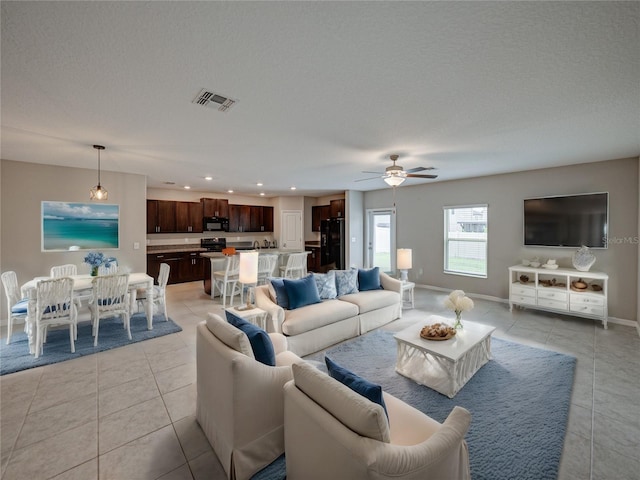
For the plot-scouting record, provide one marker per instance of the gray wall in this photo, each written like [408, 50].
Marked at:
[354, 229]
[26, 185]
[420, 225]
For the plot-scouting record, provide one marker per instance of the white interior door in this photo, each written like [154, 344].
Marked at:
[381, 239]
[291, 230]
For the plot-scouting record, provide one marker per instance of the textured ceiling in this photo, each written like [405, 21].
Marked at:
[325, 89]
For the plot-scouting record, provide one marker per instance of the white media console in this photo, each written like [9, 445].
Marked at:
[552, 290]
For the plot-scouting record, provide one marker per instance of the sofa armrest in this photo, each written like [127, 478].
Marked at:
[275, 311]
[280, 343]
[390, 283]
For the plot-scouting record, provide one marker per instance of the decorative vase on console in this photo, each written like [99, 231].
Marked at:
[583, 259]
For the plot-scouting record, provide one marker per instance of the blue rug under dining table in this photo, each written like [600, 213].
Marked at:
[519, 403]
[16, 357]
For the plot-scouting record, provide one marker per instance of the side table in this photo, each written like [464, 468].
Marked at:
[256, 315]
[407, 293]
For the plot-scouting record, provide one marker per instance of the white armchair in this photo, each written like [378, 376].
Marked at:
[240, 400]
[333, 432]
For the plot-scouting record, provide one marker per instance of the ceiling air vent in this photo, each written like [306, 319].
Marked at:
[210, 99]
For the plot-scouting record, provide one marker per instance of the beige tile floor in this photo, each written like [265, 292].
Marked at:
[129, 413]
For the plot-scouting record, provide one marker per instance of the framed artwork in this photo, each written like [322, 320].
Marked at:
[80, 226]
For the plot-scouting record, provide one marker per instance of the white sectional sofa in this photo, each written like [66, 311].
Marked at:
[314, 327]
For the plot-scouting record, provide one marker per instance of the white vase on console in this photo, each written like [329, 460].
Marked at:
[583, 259]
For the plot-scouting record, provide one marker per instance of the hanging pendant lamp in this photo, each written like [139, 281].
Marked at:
[98, 192]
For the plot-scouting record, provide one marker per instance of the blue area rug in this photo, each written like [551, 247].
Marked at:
[519, 403]
[15, 356]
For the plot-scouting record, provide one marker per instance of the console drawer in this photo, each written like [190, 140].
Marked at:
[558, 305]
[521, 290]
[552, 294]
[580, 299]
[588, 309]
[523, 299]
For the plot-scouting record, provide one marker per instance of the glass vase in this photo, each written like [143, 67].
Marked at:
[458, 323]
[94, 271]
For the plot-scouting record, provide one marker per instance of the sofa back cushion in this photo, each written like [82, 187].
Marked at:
[369, 279]
[261, 344]
[229, 335]
[346, 281]
[326, 283]
[348, 407]
[301, 292]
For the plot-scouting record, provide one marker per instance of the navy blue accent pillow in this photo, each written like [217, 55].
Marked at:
[302, 292]
[282, 299]
[260, 342]
[358, 384]
[369, 279]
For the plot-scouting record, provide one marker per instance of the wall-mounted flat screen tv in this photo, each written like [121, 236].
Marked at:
[567, 220]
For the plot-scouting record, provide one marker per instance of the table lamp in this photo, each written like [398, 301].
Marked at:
[248, 275]
[403, 258]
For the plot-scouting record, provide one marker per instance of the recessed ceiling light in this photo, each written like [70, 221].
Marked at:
[187, 187]
[208, 178]
[262, 194]
[259, 184]
[229, 191]
[293, 188]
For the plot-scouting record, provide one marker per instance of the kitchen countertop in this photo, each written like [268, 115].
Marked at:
[174, 249]
[262, 250]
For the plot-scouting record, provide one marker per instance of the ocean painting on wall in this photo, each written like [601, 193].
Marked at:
[79, 226]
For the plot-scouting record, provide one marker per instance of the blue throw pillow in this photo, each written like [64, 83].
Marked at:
[369, 279]
[282, 299]
[326, 283]
[260, 342]
[358, 384]
[302, 292]
[346, 281]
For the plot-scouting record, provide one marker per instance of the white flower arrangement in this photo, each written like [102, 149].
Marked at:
[458, 302]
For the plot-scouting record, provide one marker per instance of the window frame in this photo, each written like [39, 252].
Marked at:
[446, 240]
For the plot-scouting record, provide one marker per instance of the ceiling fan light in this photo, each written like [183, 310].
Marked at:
[394, 180]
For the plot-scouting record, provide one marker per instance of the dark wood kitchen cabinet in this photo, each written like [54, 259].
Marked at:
[215, 207]
[261, 219]
[189, 217]
[313, 259]
[337, 208]
[191, 267]
[183, 266]
[319, 213]
[161, 216]
[239, 218]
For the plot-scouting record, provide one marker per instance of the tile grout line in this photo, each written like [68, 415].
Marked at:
[593, 409]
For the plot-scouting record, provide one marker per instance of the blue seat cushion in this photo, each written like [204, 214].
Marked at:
[369, 279]
[110, 301]
[260, 342]
[20, 307]
[53, 308]
[356, 383]
[282, 299]
[302, 292]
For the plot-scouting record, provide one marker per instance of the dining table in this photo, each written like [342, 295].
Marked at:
[84, 283]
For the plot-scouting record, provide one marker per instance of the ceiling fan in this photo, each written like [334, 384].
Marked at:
[394, 175]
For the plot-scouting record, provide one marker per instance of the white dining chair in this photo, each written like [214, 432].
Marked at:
[226, 281]
[55, 306]
[296, 266]
[110, 298]
[159, 291]
[16, 306]
[68, 270]
[266, 267]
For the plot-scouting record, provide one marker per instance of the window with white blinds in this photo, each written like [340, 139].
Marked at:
[465, 240]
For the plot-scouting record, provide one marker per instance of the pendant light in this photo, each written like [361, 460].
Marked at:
[97, 192]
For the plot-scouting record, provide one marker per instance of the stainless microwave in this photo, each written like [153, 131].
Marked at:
[215, 224]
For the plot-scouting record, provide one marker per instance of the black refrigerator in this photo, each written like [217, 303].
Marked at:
[332, 242]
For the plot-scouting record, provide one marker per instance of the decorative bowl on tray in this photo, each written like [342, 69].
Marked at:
[437, 331]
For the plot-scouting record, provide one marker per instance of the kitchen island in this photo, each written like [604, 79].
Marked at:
[218, 260]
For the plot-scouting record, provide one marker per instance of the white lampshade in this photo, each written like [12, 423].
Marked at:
[394, 180]
[404, 258]
[248, 268]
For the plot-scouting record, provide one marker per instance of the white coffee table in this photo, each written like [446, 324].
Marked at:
[445, 366]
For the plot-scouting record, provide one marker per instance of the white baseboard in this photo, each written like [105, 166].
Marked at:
[619, 321]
